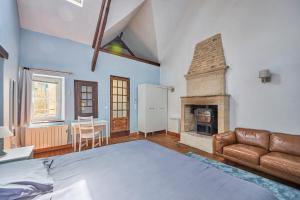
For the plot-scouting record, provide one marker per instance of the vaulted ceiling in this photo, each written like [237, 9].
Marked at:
[148, 25]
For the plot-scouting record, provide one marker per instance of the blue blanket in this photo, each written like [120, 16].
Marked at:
[142, 170]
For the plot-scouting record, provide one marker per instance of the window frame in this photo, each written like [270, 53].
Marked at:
[45, 78]
[77, 98]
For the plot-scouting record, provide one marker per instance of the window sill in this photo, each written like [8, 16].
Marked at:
[46, 124]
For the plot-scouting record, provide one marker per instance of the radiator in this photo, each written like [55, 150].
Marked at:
[46, 137]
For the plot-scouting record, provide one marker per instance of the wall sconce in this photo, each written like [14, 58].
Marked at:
[172, 89]
[265, 76]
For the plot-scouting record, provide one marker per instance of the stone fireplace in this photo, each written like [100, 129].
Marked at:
[205, 109]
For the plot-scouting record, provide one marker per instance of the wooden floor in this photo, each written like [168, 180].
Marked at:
[168, 141]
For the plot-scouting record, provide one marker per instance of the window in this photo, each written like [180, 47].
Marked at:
[47, 98]
[86, 99]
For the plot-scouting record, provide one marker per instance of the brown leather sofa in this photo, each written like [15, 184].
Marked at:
[277, 154]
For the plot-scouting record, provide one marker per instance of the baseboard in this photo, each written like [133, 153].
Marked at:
[152, 133]
[57, 148]
[134, 134]
[177, 135]
[174, 134]
[119, 134]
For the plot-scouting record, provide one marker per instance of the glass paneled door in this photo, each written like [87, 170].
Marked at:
[119, 104]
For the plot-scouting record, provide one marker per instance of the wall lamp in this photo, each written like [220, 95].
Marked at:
[265, 76]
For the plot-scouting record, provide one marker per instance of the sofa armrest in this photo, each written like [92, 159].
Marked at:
[223, 139]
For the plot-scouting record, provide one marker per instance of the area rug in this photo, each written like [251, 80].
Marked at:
[280, 191]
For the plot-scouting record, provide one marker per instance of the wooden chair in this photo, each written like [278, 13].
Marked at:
[87, 131]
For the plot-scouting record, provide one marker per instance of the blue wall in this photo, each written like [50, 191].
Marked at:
[44, 51]
[9, 39]
[1, 91]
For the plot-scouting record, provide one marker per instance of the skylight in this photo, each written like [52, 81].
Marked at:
[76, 2]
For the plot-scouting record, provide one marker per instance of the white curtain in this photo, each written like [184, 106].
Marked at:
[25, 97]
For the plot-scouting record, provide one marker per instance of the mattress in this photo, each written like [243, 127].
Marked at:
[141, 170]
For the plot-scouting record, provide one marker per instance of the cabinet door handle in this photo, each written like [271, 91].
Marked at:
[151, 108]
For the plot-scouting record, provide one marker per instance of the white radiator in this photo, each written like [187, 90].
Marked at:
[46, 137]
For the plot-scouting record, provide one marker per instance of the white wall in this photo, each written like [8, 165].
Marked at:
[257, 34]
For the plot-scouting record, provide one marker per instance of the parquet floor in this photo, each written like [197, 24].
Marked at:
[167, 141]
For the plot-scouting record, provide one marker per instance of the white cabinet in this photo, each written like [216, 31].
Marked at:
[152, 108]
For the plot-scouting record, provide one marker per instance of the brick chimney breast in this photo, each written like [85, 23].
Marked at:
[206, 75]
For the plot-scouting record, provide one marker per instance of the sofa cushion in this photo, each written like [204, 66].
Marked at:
[244, 152]
[285, 143]
[281, 162]
[258, 138]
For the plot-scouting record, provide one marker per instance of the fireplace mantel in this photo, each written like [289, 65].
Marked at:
[185, 97]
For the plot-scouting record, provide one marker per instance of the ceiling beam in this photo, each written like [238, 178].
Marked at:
[3, 53]
[101, 24]
[131, 57]
[98, 24]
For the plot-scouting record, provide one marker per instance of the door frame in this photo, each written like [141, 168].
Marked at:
[112, 77]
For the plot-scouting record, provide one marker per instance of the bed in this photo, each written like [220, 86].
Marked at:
[138, 170]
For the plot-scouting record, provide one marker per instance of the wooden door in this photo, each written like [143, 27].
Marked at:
[86, 98]
[119, 104]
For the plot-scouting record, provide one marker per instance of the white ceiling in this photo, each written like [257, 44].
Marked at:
[63, 19]
[147, 24]
[149, 33]
[140, 34]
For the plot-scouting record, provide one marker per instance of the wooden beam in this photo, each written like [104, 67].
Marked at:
[126, 47]
[101, 29]
[98, 23]
[131, 57]
[3, 53]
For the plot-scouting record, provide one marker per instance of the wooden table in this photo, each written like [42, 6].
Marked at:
[97, 123]
[17, 154]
